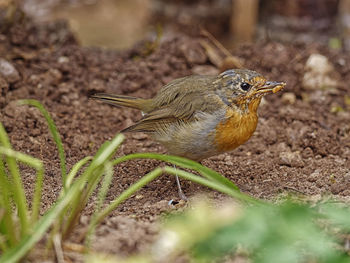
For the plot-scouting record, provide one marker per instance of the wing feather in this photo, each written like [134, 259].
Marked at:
[179, 102]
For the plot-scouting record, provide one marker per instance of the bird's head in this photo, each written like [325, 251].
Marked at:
[244, 88]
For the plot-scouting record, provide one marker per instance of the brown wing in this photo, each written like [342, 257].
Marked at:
[179, 101]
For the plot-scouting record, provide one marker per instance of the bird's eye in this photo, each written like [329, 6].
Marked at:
[245, 86]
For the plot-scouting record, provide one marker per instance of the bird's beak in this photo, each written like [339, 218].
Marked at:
[270, 87]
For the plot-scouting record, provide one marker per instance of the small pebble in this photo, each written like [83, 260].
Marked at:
[314, 176]
[63, 59]
[319, 72]
[292, 159]
[288, 97]
[138, 197]
[318, 63]
[9, 72]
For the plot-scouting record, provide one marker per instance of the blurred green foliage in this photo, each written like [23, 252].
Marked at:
[289, 232]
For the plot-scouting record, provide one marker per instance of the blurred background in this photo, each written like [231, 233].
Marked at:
[119, 24]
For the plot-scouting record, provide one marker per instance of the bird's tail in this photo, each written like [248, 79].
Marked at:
[122, 100]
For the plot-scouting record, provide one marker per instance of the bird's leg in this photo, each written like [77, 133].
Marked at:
[181, 194]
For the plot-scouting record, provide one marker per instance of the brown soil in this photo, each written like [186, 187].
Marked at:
[301, 147]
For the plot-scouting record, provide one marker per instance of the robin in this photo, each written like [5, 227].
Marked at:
[200, 116]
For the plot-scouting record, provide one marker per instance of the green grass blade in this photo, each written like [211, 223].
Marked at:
[24, 158]
[40, 228]
[182, 162]
[75, 169]
[91, 175]
[78, 204]
[17, 186]
[38, 165]
[223, 183]
[75, 203]
[54, 133]
[108, 171]
[212, 184]
[37, 195]
[127, 193]
[7, 229]
[106, 152]
[3, 245]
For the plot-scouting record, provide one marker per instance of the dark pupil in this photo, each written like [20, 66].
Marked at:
[245, 86]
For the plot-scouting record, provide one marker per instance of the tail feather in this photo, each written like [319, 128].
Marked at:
[121, 100]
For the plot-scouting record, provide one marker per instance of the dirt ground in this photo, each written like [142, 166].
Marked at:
[300, 146]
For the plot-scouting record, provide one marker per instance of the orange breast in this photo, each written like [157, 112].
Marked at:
[235, 130]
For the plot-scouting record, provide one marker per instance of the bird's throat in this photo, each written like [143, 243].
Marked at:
[237, 128]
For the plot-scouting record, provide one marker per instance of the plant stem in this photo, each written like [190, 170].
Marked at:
[127, 193]
[17, 187]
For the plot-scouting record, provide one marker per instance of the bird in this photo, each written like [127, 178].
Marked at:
[199, 116]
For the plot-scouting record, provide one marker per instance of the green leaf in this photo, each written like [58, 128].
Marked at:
[17, 186]
[55, 135]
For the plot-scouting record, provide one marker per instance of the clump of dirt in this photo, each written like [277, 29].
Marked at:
[300, 145]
